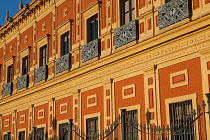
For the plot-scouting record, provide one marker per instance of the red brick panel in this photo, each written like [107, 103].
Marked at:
[26, 38]
[59, 108]
[195, 4]
[11, 48]
[7, 123]
[44, 114]
[178, 79]
[151, 98]
[47, 21]
[22, 119]
[1, 54]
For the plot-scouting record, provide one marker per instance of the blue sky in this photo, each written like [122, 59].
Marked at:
[9, 5]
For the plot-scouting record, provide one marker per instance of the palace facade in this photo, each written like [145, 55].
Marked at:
[87, 60]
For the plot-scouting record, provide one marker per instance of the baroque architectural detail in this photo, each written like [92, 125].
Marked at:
[63, 63]
[126, 34]
[91, 50]
[173, 11]
[41, 73]
[7, 88]
[23, 82]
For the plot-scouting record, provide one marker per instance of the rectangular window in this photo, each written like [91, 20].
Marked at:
[63, 131]
[43, 56]
[40, 132]
[127, 11]
[92, 127]
[130, 132]
[25, 65]
[21, 135]
[179, 117]
[9, 73]
[7, 136]
[92, 28]
[65, 43]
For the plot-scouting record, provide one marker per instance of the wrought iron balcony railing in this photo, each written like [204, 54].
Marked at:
[126, 33]
[41, 73]
[91, 50]
[63, 63]
[23, 82]
[7, 88]
[174, 11]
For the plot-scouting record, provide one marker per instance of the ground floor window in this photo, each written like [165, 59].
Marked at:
[180, 118]
[92, 128]
[63, 131]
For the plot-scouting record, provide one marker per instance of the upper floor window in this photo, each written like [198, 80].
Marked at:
[179, 117]
[127, 11]
[65, 43]
[92, 127]
[25, 65]
[63, 128]
[43, 56]
[92, 28]
[40, 132]
[9, 73]
[130, 132]
[21, 135]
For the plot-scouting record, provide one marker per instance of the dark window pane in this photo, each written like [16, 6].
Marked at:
[65, 43]
[92, 28]
[127, 11]
[9, 73]
[40, 132]
[25, 65]
[63, 131]
[92, 128]
[21, 135]
[43, 55]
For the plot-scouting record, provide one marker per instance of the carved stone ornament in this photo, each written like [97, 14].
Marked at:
[173, 11]
[41, 73]
[62, 63]
[91, 50]
[7, 88]
[23, 82]
[126, 33]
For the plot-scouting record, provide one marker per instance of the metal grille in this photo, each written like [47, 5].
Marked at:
[130, 132]
[40, 132]
[180, 119]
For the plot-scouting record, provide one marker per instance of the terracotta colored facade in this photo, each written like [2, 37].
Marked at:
[159, 68]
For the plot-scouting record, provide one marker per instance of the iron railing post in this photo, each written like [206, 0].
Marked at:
[208, 101]
[34, 128]
[70, 129]
[123, 123]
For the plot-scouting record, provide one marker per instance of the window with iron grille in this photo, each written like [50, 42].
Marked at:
[127, 11]
[7, 136]
[63, 131]
[65, 43]
[180, 117]
[40, 132]
[43, 56]
[21, 135]
[25, 65]
[92, 128]
[131, 122]
[9, 73]
[92, 28]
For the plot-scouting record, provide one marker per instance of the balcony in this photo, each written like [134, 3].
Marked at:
[23, 82]
[91, 50]
[7, 89]
[126, 34]
[63, 63]
[174, 11]
[41, 73]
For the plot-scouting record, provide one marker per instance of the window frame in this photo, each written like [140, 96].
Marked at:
[25, 65]
[92, 32]
[21, 134]
[89, 130]
[43, 131]
[59, 130]
[43, 59]
[10, 73]
[129, 12]
[65, 49]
